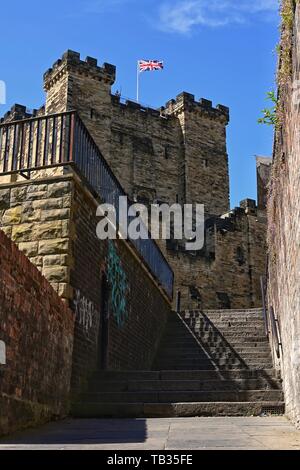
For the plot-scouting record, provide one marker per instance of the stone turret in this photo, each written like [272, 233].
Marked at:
[206, 176]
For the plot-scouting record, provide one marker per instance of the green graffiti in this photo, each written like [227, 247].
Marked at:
[119, 285]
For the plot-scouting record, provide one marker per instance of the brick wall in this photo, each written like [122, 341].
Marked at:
[37, 329]
[138, 315]
[54, 222]
[284, 222]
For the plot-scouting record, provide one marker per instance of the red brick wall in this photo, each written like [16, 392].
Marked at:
[37, 328]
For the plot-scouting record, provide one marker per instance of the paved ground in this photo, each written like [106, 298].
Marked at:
[155, 434]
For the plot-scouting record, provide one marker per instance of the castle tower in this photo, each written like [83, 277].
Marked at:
[206, 177]
[72, 83]
[177, 153]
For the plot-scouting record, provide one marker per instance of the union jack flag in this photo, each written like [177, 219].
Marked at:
[150, 65]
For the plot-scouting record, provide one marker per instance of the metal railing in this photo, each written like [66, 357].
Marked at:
[275, 334]
[264, 307]
[270, 320]
[59, 139]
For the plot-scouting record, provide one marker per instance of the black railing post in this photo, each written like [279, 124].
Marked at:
[275, 334]
[263, 297]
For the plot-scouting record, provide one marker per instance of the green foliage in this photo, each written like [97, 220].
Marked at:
[270, 114]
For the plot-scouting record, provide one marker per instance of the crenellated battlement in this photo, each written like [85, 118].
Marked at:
[20, 111]
[71, 61]
[183, 102]
[134, 106]
[186, 102]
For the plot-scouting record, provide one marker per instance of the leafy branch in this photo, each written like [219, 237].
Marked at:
[270, 114]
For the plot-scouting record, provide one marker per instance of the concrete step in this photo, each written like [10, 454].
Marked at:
[182, 409]
[190, 353]
[228, 329]
[179, 385]
[191, 342]
[183, 396]
[222, 314]
[136, 375]
[219, 313]
[236, 311]
[204, 366]
[169, 364]
[212, 334]
[220, 325]
[166, 363]
[253, 335]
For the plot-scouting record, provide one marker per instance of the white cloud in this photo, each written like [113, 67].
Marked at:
[182, 16]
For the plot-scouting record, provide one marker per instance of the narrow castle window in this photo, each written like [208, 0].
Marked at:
[240, 256]
[166, 152]
[205, 163]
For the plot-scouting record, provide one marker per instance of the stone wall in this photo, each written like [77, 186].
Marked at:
[36, 216]
[54, 222]
[226, 273]
[263, 172]
[284, 221]
[37, 329]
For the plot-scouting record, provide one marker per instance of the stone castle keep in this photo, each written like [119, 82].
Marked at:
[101, 336]
[174, 154]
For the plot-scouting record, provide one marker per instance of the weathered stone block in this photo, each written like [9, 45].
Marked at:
[52, 247]
[36, 195]
[59, 189]
[56, 260]
[48, 230]
[29, 214]
[55, 214]
[4, 198]
[56, 273]
[29, 248]
[54, 203]
[18, 194]
[37, 261]
[12, 216]
[22, 233]
[23, 194]
[36, 188]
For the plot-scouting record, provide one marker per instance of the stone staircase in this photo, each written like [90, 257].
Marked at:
[212, 363]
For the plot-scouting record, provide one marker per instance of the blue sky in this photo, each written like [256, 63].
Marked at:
[223, 50]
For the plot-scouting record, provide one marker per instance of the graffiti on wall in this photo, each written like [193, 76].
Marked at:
[117, 279]
[84, 310]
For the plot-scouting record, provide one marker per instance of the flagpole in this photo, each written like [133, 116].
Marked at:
[137, 81]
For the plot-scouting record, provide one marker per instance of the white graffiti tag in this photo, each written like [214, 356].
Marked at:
[84, 311]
